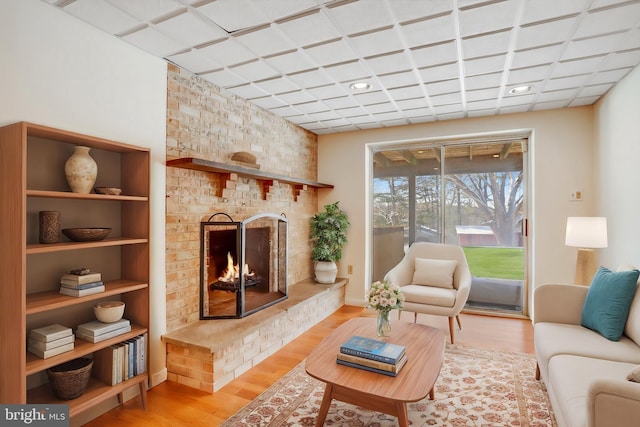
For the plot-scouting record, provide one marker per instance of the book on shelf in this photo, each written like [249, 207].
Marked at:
[105, 365]
[50, 333]
[83, 286]
[82, 292]
[96, 327]
[120, 362]
[45, 354]
[142, 353]
[50, 345]
[373, 349]
[77, 279]
[105, 336]
[363, 362]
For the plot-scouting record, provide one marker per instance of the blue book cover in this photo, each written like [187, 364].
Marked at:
[366, 368]
[373, 349]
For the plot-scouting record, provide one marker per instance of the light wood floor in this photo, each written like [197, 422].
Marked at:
[171, 404]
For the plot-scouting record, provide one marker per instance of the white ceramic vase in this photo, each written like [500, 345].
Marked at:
[326, 271]
[81, 170]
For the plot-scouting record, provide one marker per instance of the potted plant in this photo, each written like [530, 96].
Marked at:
[328, 235]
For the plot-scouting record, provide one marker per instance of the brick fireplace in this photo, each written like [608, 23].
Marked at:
[204, 121]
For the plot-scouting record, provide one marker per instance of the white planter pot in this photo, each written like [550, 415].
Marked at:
[326, 271]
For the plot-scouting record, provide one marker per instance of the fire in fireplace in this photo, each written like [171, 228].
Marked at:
[243, 265]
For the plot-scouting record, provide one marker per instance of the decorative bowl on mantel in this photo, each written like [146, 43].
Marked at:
[90, 234]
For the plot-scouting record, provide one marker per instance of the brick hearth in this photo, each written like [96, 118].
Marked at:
[210, 353]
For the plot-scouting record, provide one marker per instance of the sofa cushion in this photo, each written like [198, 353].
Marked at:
[434, 272]
[632, 327]
[607, 304]
[570, 377]
[552, 339]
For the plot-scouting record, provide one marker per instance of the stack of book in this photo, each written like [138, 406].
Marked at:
[372, 355]
[96, 331]
[50, 341]
[79, 285]
[120, 362]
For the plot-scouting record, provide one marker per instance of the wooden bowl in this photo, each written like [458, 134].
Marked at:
[112, 191]
[109, 311]
[90, 234]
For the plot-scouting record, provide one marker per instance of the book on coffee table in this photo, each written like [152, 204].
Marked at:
[372, 365]
[373, 349]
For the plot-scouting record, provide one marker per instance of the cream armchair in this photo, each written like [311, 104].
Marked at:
[435, 279]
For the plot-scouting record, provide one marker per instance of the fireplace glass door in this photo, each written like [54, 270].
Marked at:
[243, 265]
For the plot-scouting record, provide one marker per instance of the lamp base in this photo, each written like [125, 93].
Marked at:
[585, 266]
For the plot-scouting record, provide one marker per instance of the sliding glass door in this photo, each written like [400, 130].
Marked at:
[469, 194]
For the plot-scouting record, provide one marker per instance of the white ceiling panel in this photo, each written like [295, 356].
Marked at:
[149, 10]
[223, 78]
[606, 21]
[375, 43]
[266, 41]
[255, 70]
[233, 15]
[296, 97]
[348, 71]
[473, 20]
[440, 53]
[429, 31]
[299, 29]
[425, 60]
[156, 43]
[227, 52]
[199, 31]
[593, 46]
[356, 17]
[541, 10]
[194, 62]
[545, 33]
[291, 62]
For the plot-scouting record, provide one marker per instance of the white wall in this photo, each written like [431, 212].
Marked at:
[58, 71]
[560, 162]
[617, 118]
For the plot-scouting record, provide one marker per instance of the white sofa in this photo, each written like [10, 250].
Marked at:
[585, 373]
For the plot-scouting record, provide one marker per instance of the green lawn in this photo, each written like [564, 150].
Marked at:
[500, 263]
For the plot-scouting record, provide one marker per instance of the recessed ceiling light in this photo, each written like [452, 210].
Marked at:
[360, 86]
[519, 90]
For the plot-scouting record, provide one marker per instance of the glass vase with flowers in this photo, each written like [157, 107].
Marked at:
[384, 297]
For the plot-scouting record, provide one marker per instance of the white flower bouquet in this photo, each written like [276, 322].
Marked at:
[385, 297]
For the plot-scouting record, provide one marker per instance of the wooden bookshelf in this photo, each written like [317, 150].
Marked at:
[32, 179]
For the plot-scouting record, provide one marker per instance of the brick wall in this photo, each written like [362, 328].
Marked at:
[207, 122]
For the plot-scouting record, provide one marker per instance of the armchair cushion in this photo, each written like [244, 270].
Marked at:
[607, 304]
[434, 272]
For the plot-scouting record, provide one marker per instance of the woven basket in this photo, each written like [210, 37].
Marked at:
[70, 379]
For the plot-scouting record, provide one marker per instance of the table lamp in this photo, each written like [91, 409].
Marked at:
[586, 234]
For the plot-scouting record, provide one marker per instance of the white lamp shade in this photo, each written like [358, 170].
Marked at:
[586, 232]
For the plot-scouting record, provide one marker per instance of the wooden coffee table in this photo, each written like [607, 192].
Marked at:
[425, 351]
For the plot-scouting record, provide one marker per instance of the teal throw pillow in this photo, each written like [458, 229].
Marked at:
[606, 307]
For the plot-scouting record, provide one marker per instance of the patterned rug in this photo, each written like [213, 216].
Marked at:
[475, 388]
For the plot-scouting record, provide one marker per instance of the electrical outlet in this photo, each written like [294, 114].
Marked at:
[350, 269]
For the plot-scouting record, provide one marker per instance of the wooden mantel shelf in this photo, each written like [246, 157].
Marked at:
[266, 178]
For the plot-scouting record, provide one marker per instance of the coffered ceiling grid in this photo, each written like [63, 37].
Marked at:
[425, 60]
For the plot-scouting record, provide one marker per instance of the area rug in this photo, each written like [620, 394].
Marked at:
[475, 388]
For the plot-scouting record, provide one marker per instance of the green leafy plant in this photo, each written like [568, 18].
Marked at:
[329, 233]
